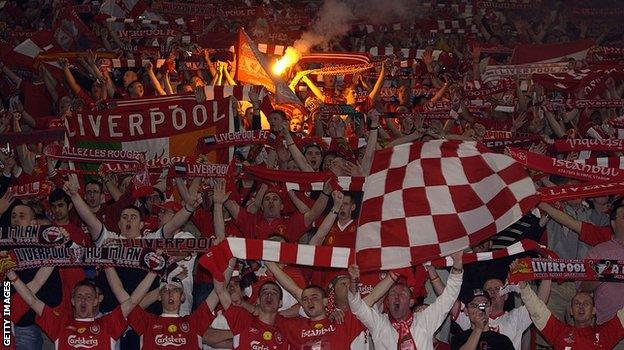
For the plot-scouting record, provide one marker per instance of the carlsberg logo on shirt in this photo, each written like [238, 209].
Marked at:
[256, 345]
[169, 340]
[81, 342]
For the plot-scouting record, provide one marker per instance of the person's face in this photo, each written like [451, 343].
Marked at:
[493, 288]
[85, 302]
[407, 124]
[130, 223]
[151, 200]
[186, 88]
[234, 289]
[346, 208]
[473, 311]
[129, 77]
[8, 160]
[479, 129]
[97, 91]
[269, 298]
[312, 302]
[484, 246]
[582, 308]
[60, 210]
[313, 155]
[350, 96]
[164, 216]
[402, 94]
[275, 121]
[337, 126]
[136, 90]
[272, 205]
[296, 125]
[618, 222]
[341, 288]
[22, 215]
[327, 162]
[196, 82]
[171, 299]
[399, 301]
[93, 195]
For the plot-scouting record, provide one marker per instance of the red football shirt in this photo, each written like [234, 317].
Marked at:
[250, 333]
[566, 337]
[162, 332]
[69, 333]
[594, 235]
[305, 334]
[256, 226]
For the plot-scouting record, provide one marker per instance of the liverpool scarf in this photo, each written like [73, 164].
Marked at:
[568, 269]
[562, 167]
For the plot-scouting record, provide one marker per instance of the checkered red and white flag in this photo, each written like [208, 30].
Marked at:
[427, 200]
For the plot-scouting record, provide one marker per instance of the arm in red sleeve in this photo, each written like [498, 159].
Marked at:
[594, 235]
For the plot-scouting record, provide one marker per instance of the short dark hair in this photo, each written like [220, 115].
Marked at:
[617, 204]
[317, 287]
[95, 182]
[88, 283]
[133, 207]
[58, 194]
[281, 293]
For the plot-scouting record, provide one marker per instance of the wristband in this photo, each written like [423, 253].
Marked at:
[456, 270]
[13, 280]
[375, 128]
[290, 144]
[393, 276]
[322, 192]
[435, 279]
[189, 211]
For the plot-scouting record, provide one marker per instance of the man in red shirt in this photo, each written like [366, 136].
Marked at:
[317, 331]
[271, 222]
[79, 329]
[60, 206]
[169, 330]
[250, 331]
[584, 333]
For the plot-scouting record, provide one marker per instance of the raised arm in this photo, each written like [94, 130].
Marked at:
[561, 217]
[328, 222]
[380, 78]
[69, 77]
[29, 297]
[285, 280]
[298, 157]
[219, 197]
[149, 68]
[371, 141]
[182, 216]
[315, 90]
[94, 225]
[319, 205]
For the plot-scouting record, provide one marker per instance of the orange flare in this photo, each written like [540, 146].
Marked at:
[291, 56]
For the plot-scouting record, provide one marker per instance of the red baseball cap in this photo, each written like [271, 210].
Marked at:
[170, 205]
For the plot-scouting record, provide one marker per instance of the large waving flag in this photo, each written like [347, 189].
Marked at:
[544, 53]
[429, 199]
[252, 68]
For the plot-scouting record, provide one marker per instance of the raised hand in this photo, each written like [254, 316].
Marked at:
[219, 194]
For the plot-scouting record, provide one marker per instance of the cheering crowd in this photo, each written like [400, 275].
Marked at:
[246, 156]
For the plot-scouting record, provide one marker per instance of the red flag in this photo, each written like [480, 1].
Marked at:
[252, 68]
[429, 199]
[533, 53]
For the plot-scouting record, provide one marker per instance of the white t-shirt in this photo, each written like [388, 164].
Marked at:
[511, 323]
